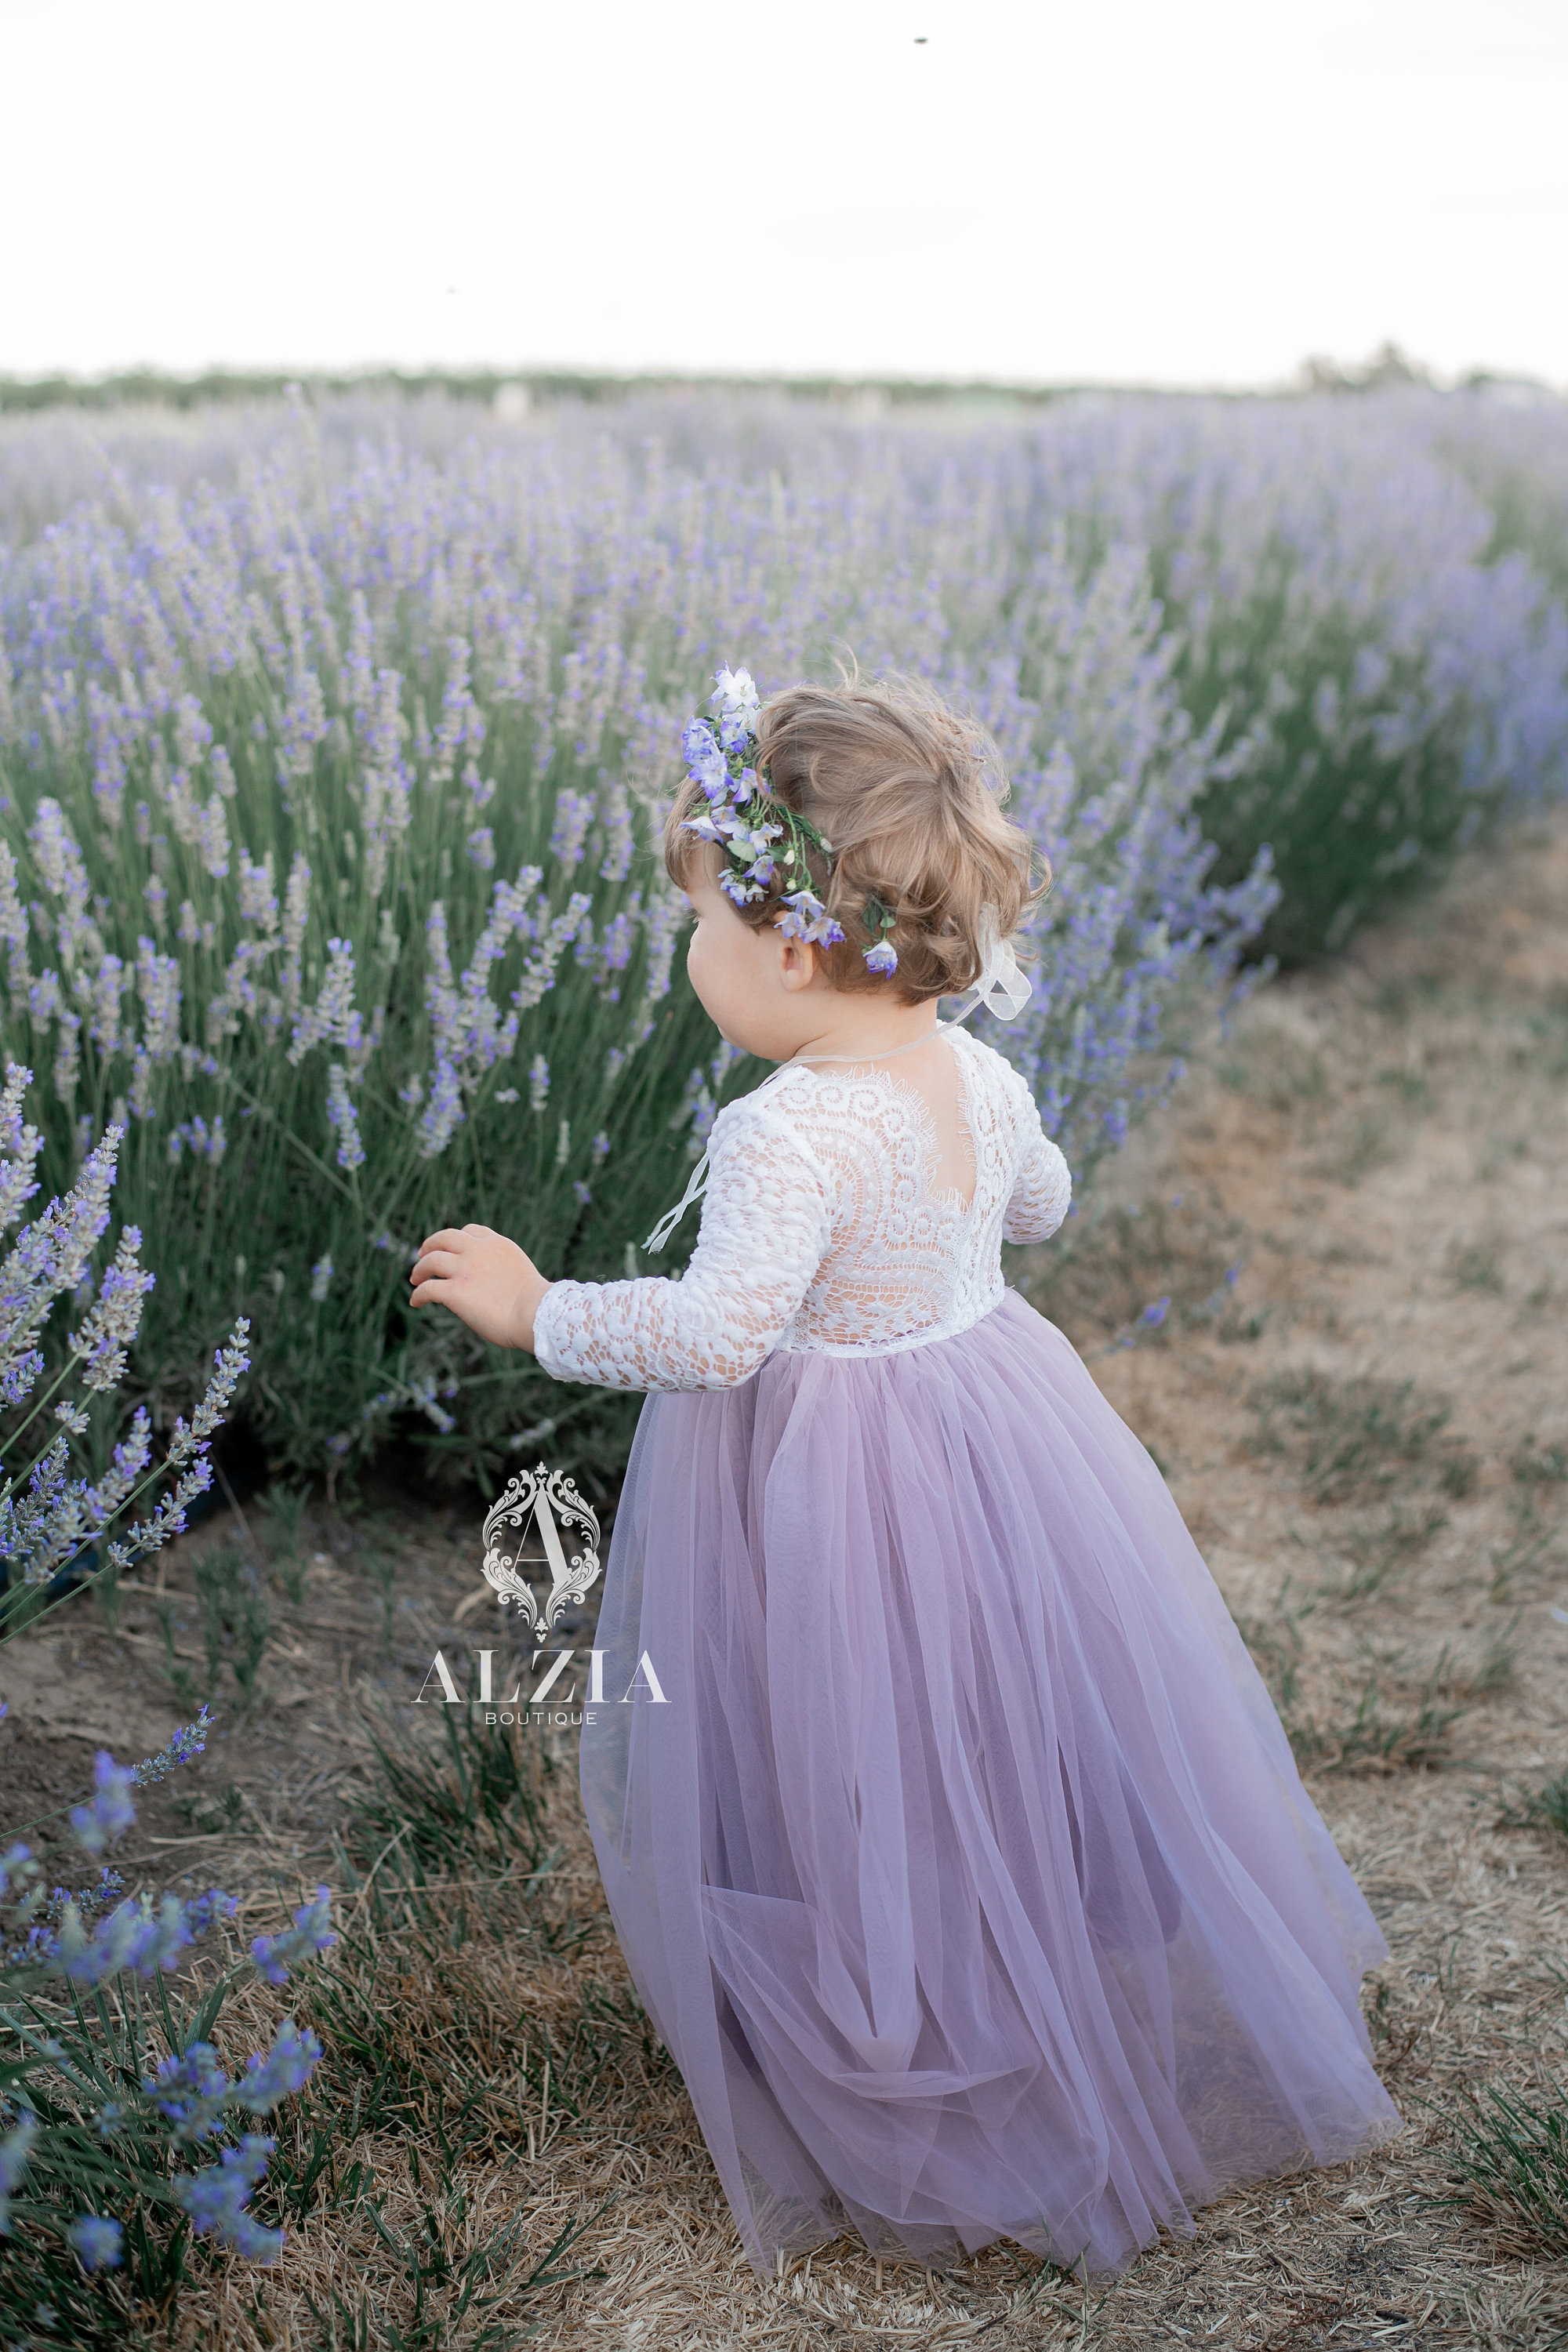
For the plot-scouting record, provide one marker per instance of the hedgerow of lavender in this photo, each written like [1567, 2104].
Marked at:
[50, 1515]
[330, 811]
[334, 786]
[1380, 653]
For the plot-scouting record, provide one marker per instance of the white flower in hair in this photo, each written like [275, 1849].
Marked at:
[707, 826]
[738, 694]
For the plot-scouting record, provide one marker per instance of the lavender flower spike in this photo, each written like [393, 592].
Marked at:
[113, 1320]
[97, 2241]
[287, 2068]
[311, 1933]
[189, 2092]
[228, 1365]
[111, 1812]
[343, 1118]
[14, 2150]
[188, 1740]
[133, 1939]
[216, 2198]
[16, 1864]
[51, 1255]
[23, 1144]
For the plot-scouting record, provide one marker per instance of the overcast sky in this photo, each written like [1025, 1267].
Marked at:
[1180, 192]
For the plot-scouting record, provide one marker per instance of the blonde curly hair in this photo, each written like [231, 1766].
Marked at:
[908, 792]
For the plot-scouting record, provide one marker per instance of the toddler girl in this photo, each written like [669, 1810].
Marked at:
[959, 1858]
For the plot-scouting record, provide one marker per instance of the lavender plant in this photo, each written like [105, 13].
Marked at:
[50, 1517]
[123, 2134]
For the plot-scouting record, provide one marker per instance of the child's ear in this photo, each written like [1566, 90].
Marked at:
[797, 964]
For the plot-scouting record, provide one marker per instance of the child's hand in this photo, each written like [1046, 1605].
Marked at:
[494, 1287]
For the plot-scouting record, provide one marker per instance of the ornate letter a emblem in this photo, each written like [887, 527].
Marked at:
[545, 1496]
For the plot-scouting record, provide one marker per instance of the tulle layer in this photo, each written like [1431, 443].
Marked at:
[962, 1865]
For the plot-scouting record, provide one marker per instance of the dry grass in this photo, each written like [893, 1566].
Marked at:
[1366, 1425]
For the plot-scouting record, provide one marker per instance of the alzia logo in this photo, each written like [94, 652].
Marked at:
[547, 1498]
[542, 1497]
[644, 1685]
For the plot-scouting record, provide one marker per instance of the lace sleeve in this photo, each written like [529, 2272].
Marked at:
[1042, 1188]
[766, 1226]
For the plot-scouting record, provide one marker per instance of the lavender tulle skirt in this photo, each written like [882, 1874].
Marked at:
[962, 1865]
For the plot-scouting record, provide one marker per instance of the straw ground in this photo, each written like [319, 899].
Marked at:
[1329, 1294]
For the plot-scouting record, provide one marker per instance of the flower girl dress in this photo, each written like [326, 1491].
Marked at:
[954, 1846]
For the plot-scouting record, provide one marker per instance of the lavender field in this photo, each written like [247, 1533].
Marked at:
[335, 741]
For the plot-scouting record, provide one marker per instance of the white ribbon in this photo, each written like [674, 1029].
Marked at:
[1002, 988]
[672, 1217]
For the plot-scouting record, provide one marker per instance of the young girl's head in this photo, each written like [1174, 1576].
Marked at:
[908, 793]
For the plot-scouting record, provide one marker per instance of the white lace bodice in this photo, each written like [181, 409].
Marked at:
[821, 1231]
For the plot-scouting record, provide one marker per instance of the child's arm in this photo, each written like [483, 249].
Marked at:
[1042, 1189]
[766, 1226]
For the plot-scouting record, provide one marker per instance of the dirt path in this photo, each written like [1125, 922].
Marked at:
[1329, 1292]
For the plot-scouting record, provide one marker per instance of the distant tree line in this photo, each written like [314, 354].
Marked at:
[517, 389]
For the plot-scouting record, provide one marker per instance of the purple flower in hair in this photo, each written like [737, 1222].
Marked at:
[712, 773]
[742, 893]
[808, 918]
[696, 742]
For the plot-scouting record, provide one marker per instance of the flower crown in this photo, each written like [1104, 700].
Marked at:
[745, 819]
